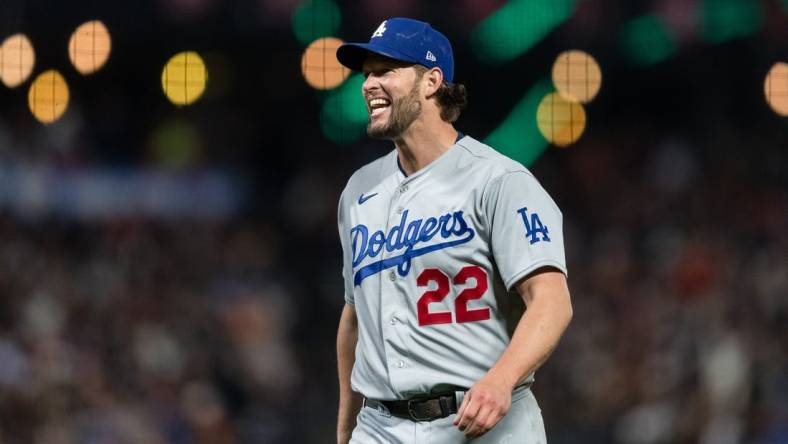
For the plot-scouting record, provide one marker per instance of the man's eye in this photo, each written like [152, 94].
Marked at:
[378, 72]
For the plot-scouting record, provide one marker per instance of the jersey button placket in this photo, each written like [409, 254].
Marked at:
[394, 219]
[388, 280]
[395, 304]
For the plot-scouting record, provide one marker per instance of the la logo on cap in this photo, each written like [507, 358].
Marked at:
[379, 32]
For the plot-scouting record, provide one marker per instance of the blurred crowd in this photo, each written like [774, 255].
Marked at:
[135, 330]
[172, 276]
[678, 260]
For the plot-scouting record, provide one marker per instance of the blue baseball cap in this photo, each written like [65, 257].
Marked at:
[403, 39]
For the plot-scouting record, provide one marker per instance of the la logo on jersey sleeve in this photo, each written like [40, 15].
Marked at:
[534, 226]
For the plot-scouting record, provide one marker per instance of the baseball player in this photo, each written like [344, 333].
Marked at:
[445, 242]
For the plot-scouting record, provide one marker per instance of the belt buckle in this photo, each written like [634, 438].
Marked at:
[412, 411]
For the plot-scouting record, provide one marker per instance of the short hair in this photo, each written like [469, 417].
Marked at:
[452, 97]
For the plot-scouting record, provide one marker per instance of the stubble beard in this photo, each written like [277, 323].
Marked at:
[404, 111]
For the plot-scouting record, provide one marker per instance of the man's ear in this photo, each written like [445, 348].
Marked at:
[433, 81]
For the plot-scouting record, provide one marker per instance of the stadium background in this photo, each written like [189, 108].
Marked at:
[171, 274]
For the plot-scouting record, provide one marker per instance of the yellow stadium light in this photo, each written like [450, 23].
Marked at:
[320, 66]
[16, 60]
[48, 96]
[89, 47]
[576, 76]
[184, 77]
[776, 88]
[560, 121]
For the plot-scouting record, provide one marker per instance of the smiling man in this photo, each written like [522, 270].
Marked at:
[445, 242]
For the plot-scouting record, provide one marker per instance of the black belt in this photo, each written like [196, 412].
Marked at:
[418, 409]
[424, 408]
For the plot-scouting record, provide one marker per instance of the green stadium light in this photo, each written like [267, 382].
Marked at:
[516, 27]
[723, 20]
[645, 40]
[344, 118]
[518, 135]
[313, 19]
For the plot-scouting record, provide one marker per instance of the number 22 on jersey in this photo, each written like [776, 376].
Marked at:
[463, 314]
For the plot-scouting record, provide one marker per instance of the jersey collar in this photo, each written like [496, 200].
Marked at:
[460, 135]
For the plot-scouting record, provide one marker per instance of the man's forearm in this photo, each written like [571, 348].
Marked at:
[541, 326]
[349, 401]
[538, 331]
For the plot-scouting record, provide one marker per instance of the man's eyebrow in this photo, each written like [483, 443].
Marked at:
[378, 67]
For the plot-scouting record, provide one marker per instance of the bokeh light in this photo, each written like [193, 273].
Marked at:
[320, 66]
[176, 144]
[48, 96]
[314, 19]
[17, 59]
[89, 47]
[646, 40]
[723, 20]
[184, 77]
[518, 26]
[560, 121]
[776, 88]
[576, 76]
[344, 116]
[518, 136]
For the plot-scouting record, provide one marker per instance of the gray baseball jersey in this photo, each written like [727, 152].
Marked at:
[430, 260]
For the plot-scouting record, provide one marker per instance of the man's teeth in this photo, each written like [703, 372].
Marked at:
[377, 106]
[378, 103]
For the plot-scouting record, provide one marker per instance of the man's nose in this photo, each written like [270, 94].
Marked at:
[370, 83]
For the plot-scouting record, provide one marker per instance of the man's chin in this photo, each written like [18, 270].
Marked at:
[380, 132]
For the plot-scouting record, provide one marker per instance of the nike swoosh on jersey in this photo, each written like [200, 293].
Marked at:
[362, 198]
